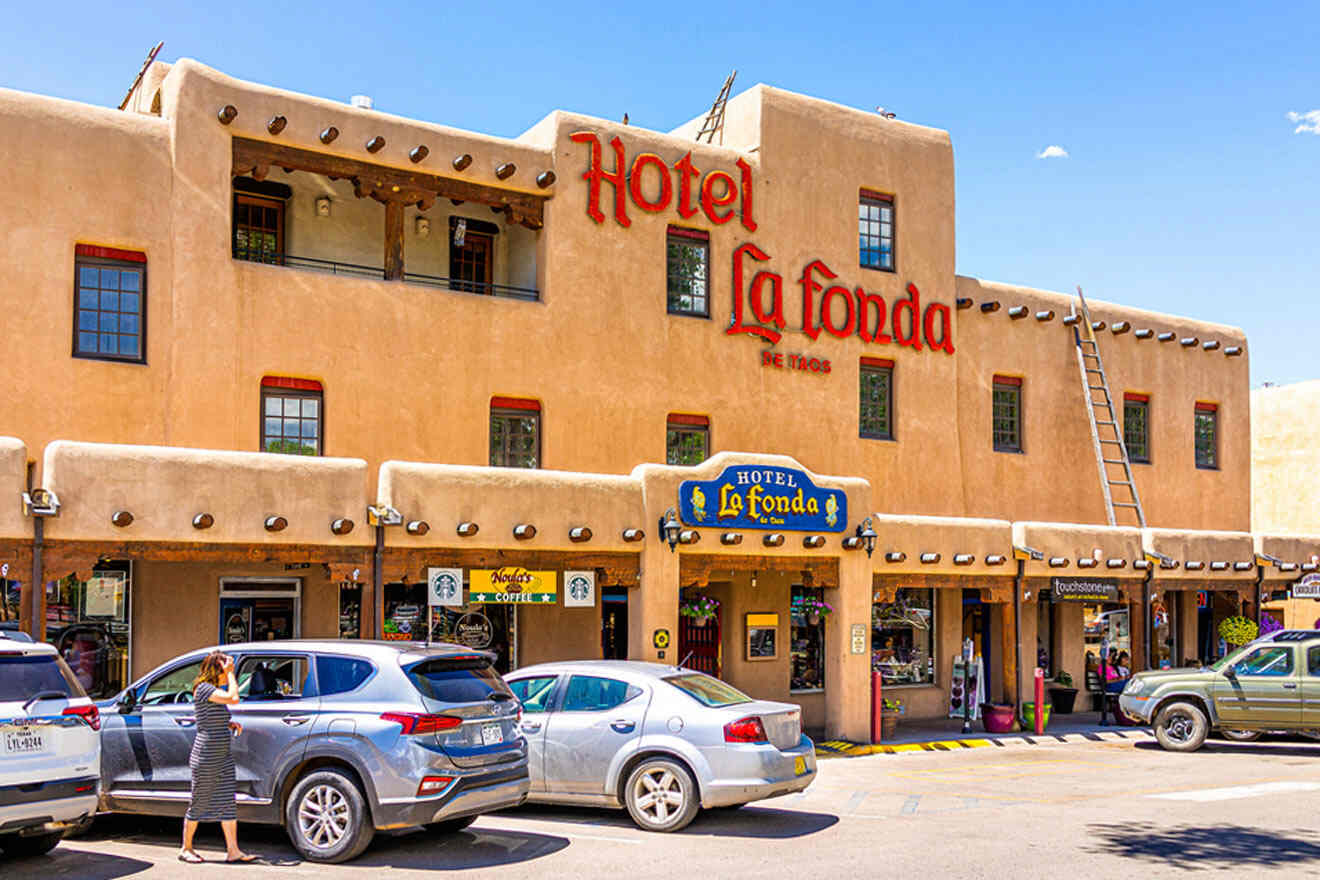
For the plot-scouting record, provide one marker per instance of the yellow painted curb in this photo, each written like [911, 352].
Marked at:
[943, 745]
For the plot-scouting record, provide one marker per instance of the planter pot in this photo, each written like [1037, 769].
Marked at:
[1062, 699]
[1029, 716]
[997, 717]
[888, 725]
[813, 620]
[701, 620]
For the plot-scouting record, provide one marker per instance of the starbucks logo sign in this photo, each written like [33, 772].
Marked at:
[579, 589]
[445, 586]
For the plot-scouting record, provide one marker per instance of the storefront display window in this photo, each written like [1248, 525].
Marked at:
[903, 638]
[350, 611]
[480, 626]
[1164, 632]
[807, 639]
[10, 601]
[88, 623]
[1101, 623]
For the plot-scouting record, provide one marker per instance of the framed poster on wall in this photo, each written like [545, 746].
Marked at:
[762, 632]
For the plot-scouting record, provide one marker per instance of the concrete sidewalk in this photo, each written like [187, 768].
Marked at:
[945, 734]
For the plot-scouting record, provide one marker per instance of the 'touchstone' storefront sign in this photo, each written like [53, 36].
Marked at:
[1084, 589]
[511, 585]
[762, 497]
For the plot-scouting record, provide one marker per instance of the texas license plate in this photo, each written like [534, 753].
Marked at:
[491, 734]
[799, 766]
[24, 740]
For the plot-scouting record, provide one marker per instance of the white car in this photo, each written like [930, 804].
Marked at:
[50, 747]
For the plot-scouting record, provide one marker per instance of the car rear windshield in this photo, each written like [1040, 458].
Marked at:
[23, 676]
[456, 679]
[708, 691]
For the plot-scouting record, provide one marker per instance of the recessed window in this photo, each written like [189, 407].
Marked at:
[110, 304]
[259, 220]
[807, 610]
[1136, 427]
[876, 385]
[515, 432]
[1207, 435]
[292, 416]
[687, 439]
[687, 260]
[1007, 413]
[875, 230]
[472, 255]
[903, 638]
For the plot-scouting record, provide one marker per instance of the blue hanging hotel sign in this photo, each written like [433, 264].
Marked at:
[762, 497]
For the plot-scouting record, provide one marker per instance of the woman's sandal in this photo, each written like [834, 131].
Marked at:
[246, 858]
[190, 857]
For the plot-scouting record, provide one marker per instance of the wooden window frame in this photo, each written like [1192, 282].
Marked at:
[693, 238]
[1212, 410]
[819, 630]
[1014, 384]
[283, 387]
[475, 229]
[515, 407]
[876, 366]
[876, 198]
[105, 257]
[1142, 401]
[263, 201]
[683, 423]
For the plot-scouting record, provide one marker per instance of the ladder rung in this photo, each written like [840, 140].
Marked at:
[1111, 442]
[1113, 461]
[1120, 482]
[1115, 424]
[1098, 388]
[1089, 370]
[1124, 504]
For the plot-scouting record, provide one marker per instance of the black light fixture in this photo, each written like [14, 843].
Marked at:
[669, 528]
[868, 536]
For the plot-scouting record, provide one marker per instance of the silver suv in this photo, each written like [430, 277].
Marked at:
[339, 739]
[49, 748]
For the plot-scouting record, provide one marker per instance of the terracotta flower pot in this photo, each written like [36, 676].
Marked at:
[888, 725]
[813, 619]
[997, 717]
[701, 620]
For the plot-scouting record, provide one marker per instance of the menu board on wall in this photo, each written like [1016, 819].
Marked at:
[761, 636]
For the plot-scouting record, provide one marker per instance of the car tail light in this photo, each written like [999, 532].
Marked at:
[84, 788]
[88, 713]
[433, 785]
[745, 730]
[413, 722]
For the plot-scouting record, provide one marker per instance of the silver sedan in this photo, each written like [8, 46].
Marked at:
[660, 741]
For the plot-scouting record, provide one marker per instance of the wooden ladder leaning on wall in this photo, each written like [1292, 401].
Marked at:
[1106, 432]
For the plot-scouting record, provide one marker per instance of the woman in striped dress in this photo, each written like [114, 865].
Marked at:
[211, 763]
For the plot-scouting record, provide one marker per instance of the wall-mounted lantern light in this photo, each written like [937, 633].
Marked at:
[467, 529]
[323, 206]
[418, 527]
[524, 531]
[669, 528]
[868, 536]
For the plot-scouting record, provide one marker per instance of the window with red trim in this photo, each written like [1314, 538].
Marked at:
[515, 432]
[1006, 413]
[1136, 427]
[110, 304]
[876, 389]
[1206, 430]
[687, 439]
[292, 416]
[875, 230]
[687, 261]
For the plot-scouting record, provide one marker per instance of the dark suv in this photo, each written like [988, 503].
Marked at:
[339, 739]
[1272, 684]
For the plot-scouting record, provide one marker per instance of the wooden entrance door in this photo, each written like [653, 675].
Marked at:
[702, 642]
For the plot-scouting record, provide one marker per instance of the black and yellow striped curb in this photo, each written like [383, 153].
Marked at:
[843, 749]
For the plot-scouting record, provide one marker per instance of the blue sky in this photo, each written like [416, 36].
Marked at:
[1185, 188]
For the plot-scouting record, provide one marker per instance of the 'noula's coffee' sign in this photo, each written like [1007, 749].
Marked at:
[762, 497]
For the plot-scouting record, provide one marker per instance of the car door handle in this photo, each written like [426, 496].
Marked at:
[531, 726]
[1290, 685]
[623, 725]
[185, 720]
[295, 720]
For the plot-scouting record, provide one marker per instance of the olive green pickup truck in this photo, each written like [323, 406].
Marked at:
[1272, 684]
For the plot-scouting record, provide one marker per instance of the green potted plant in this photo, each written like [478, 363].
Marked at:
[890, 712]
[1062, 693]
[814, 609]
[701, 608]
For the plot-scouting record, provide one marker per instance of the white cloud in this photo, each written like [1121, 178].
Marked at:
[1308, 121]
[1053, 151]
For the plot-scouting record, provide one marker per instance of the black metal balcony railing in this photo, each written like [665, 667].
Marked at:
[333, 267]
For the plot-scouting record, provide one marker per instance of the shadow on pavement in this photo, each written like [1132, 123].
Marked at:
[66, 860]
[1195, 847]
[750, 821]
[1221, 747]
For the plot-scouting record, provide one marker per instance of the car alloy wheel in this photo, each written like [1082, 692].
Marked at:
[323, 817]
[661, 795]
[1181, 727]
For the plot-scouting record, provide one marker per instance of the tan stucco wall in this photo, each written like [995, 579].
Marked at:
[13, 480]
[1285, 459]
[553, 632]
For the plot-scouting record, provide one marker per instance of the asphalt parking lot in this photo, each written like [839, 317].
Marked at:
[1112, 809]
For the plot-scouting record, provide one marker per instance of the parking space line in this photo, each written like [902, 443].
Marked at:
[1235, 792]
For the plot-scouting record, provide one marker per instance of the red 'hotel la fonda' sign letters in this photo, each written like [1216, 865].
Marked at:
[758, 302]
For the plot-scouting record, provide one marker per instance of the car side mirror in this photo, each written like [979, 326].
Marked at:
[1230, 673]
[127, 702]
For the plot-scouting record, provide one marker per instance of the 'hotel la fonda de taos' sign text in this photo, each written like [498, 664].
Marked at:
[653, 186]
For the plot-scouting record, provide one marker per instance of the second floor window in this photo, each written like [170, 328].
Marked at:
[876, 417]
[110, 304]
[875, 230]
[1207, 435]
[291, 416]
[259, 220]
[1007, 413]
[687, 439]
[515, 432]
[687, 262]
[471, 254]
[1136, 427]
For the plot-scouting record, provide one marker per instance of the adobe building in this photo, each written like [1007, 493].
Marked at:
[592, 391]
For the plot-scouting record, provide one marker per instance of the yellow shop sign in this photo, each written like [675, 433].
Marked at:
[512, 584]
